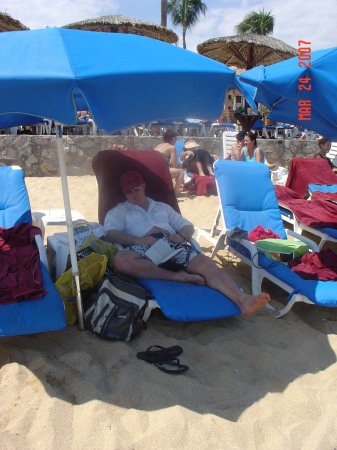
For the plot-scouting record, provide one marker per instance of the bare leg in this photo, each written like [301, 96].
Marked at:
[200, 169]
[216, 278]
[178, 176]
[210, 170]
[132, 264]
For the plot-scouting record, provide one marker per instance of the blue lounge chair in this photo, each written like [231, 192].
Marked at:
[246, 207]
[33, 316]
[178, 301]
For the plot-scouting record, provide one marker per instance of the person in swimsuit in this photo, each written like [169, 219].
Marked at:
[251, 152]
[140, 221]
[168, 149]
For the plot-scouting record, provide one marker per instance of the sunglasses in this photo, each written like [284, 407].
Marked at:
[131, 191]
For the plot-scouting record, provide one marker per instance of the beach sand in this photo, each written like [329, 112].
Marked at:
[254, 382]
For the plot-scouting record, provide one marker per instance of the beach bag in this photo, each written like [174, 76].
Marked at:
[282, 250]
[92, 268]
[119, 309]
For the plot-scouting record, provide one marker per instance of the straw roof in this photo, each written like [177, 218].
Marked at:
[246, 50]
[122, 24]
[7, 23]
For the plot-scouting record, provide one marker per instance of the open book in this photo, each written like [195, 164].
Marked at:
[160, 252]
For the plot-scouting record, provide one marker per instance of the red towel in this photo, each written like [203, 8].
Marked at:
[316, 214]
[304, 171]
[317, 195]
[262, 233]
[20, 272]
[201, 185]
[316, 266]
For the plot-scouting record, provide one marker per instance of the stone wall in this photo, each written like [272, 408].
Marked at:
[37, 155]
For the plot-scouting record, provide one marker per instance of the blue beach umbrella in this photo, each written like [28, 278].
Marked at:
[300, 91]
[124, 79]
[14, 120]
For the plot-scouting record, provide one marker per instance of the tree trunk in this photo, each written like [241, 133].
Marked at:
[163, 13]
[184, 37]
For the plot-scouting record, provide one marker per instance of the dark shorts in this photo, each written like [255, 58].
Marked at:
[179, 261]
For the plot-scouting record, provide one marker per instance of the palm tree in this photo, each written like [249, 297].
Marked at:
[163, 13]
[257, 22]
[185, 13]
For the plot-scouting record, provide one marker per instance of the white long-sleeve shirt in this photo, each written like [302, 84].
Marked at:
[134, 220]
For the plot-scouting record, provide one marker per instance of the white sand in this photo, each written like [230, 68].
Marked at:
[253, 382]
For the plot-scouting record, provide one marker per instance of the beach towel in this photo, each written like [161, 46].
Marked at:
[329, 196]
[199, 185]
[316, 214]
[20, 272]
[304, 171]
[316, 266]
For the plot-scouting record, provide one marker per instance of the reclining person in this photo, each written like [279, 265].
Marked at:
[140, 221]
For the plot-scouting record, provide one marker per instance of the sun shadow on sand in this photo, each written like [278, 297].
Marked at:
[234, 363]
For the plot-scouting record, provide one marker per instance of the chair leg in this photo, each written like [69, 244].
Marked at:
[257, 277]
[216, 222]
[294, 299]
[220, 245]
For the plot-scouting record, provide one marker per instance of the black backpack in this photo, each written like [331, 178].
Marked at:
[118, 309]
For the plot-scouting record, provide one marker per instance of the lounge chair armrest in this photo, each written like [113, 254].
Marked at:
[37, 221]
[245, 243]
[42, 251]
[314, 247]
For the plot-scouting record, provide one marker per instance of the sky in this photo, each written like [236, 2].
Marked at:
[310, 20]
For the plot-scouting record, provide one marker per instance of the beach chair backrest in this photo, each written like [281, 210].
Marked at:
[109, 165]
[14, 201]
[333, 153]
[305, 171]
[228, 139]
[180, 148]
[247, 196]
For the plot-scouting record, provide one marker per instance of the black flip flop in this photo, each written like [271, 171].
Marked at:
[175, 367]
[157, 356]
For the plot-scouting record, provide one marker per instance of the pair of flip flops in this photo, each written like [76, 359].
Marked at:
[164, 358]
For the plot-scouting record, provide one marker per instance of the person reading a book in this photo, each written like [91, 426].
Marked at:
[139, 222]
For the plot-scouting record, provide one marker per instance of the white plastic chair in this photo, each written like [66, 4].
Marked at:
[228, 139]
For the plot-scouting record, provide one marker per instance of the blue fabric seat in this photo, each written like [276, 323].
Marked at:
[27, 316]
[246, 208]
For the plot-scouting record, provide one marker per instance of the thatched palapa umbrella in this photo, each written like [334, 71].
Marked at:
[7, 23]
[246, 51]
[128, 25]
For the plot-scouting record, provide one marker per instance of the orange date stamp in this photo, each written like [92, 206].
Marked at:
[304, 83]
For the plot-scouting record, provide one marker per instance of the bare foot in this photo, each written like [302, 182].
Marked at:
[251, 303]
[185, 277]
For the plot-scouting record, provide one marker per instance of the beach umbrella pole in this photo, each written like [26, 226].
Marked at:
[70, 229]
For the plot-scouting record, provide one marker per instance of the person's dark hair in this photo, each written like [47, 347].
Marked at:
[169, 135]
[252, 136]
[322, 141]
[240, 136]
